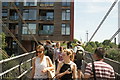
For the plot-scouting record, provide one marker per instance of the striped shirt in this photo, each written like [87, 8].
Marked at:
[102, 69]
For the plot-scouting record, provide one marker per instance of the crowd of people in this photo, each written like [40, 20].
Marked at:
[66, 63]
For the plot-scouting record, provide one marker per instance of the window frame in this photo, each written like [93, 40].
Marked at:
[64, 29]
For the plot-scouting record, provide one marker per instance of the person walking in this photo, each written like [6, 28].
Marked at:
[67, 69]
[49, 50]
[56, 54]
[79, 56]
[41, 65]
[103, 70]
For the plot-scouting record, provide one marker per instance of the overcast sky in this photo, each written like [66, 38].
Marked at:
[88, 15]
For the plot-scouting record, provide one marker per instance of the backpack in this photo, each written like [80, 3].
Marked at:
[79, 53]
[49, 51]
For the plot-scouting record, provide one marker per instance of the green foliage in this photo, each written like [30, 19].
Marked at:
[3, 55]
[89, 48]
[98, 44]
[106, 42]
[111, 48]
[64, 45]
[113, 54]
[75, 40]
[2, 39]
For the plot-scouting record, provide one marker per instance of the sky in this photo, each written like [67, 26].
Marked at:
[87, 16]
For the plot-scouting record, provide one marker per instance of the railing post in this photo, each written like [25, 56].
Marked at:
[19, 68]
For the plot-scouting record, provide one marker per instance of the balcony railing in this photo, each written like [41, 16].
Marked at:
[46, 5]
[46, 18]
[4, 18]
[14, 17]
[46, 32]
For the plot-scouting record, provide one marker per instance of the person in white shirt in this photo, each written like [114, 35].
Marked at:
[41, 65]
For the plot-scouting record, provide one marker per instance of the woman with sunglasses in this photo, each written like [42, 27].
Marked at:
[67, 69]
[41, 64]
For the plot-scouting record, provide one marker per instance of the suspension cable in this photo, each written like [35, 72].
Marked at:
[115, 34]
[24, 22]
[103, 19]
[96, 32]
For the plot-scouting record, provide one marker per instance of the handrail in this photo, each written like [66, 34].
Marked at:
[9, 70]
[109, 60]
[20, 67]
[112, 60]
[12, 58]
[24, 73]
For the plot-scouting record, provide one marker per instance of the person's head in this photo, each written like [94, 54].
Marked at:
[39, 50]
[58, 44]
[80, 49]
[79, 43]
[99, 53]
[61, 49]
[67, 54]
[48, 42]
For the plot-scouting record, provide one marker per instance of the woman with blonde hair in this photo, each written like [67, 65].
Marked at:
[41, 65]
[67, 69]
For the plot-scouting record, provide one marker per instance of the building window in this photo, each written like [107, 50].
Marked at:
[46, 29]
[27, 3]
[16, 3]
[65, 14]
[65, 30]
[66, 3]
[4, 14]
[30, 4]
[29, 14]
[29, 27]
[46, 4]
[4, 4]
[13, 15]
[46, 14]
[13, 27]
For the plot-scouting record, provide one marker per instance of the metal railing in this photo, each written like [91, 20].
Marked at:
[17, 67]
[14, 17]
[46, 18]
[114, 64]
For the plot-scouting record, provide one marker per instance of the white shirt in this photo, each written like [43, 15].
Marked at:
[39, 67]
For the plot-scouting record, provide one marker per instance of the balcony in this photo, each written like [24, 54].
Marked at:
[46, 18]
[14, 17]
[45, 32]
[4, 18]
[46, 4]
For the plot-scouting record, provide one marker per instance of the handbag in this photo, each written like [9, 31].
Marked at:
[50, 73]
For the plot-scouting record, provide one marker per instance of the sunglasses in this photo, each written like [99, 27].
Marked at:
[38, 51]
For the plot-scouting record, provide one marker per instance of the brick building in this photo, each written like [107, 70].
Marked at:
[46, 20]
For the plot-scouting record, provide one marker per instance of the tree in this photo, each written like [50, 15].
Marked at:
[113, 54]
[2, 40]
[98, 44]
[90, 47]
[3, 54]
[106, 42]
[75, 40]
